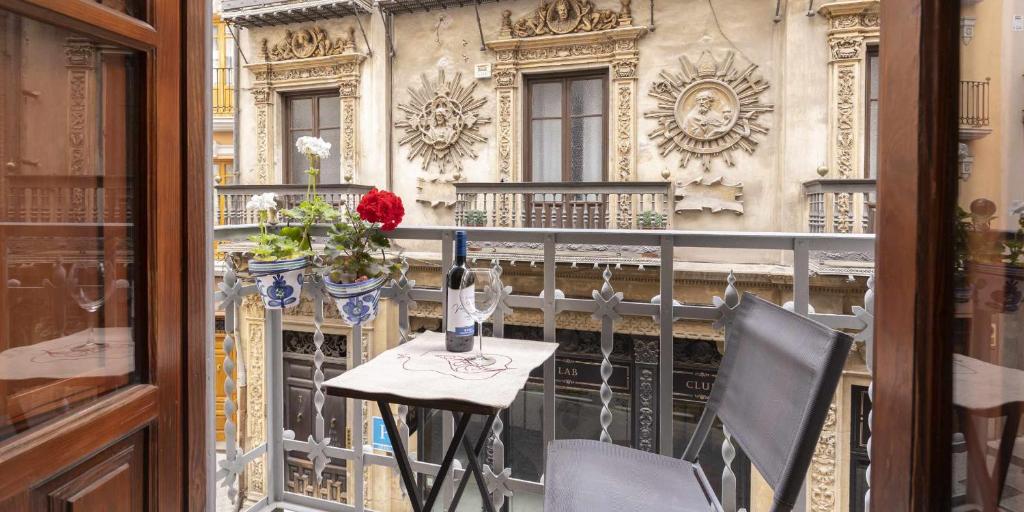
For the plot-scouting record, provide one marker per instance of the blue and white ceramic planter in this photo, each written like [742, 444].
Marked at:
[357, 302]
[279, 282]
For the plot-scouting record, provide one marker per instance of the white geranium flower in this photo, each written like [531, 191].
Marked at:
[313, 146]
[262, 202]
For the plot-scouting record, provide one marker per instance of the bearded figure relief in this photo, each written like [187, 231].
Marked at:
[707, 119]
[442, 126]
[708, 110]
[566, 16]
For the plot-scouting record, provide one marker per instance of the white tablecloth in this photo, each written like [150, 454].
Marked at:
[984, 386]
[112, 353]
[423, 370]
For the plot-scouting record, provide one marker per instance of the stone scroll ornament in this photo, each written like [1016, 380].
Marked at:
[442, 125]
[708, 110]
[306, 43]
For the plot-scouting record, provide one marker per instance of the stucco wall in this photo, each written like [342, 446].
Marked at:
[792, 56]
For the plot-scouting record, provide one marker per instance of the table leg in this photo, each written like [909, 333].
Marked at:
[446, 463]
[1005, 453]
[979, 487]
[401, 457]
[472, 454]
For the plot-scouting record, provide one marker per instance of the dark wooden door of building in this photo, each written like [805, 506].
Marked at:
[92, 255]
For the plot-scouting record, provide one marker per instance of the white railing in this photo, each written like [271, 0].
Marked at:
[606, 306]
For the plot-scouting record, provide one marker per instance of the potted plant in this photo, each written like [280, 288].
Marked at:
[475, 218]
[649, 219]
[313, 209]
[992, 259]
[356, 273]
[278, 260]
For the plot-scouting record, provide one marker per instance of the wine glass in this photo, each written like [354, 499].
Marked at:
[87, 285]
[480, 305]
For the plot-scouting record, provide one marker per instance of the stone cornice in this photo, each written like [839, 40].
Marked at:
[582, 47]
[284, 72]
[849, 19]
[834, 9]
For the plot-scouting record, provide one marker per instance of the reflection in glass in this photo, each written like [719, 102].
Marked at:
[70, 144]
[88, 288]
[988, 338]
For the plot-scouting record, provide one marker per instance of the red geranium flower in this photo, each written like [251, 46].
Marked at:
[383, 207]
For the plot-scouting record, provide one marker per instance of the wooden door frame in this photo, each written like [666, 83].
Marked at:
[199, 486]
[912, 412]
[171, 406]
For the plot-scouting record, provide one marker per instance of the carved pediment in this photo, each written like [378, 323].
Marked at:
[306, 43]
[561, 17]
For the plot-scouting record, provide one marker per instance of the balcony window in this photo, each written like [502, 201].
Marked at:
[567, 123]
[317, 115]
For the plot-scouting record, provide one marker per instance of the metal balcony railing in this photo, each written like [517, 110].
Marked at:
[840, 205]
[604, 305]
[588, 205]
[231, 199]
[223, 91]
[974, 103]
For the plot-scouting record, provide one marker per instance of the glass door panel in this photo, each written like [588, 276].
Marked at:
[69, 220]
[988, 334]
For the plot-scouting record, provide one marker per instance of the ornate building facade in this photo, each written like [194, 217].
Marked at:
[736, 110]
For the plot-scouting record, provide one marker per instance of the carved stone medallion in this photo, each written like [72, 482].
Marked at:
[442, 123]
[708, 110]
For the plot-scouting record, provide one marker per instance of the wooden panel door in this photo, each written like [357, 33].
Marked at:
[93, 257]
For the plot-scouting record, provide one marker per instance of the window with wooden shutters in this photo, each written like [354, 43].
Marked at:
[316, 115]
[567, 126]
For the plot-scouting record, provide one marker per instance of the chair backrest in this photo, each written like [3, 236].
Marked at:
[773, 391]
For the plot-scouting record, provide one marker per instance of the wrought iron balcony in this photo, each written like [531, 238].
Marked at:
[974, 109]
[223, 91]
[263, 13]
[655, 402]
[840, 205]
[591, 205]
[231, 199]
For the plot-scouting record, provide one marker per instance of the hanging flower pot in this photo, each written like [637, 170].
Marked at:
[357, 302]
[279, 282]
[997, 286]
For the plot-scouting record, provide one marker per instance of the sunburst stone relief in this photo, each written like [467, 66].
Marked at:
[442, 125]
[709, 109]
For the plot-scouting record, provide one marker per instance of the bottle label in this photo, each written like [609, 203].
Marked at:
[459, 321]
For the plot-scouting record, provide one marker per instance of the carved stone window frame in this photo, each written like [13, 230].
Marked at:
[271, 79]
[614, 49]
[852, 27]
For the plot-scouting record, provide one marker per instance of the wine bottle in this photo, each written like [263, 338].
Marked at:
[459, 326]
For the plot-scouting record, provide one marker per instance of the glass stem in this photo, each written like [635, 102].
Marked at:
[480, 334]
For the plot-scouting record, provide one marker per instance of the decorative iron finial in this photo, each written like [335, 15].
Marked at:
[606, 287]
[732, 295]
